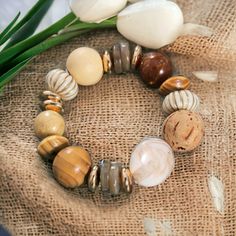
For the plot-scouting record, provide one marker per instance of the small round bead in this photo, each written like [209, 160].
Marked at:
[53, 106]
[125, 55]
[183, 130]
[51, 145]
[61, 83]
[180, 100]
[93, 179]
[49, 123]
[174, 83]
[126, 180]
[85, 65]
[137, 57]
[151, 162]
[71, 165]
[155, 68]
[117, 59]
[48, 95]
[107, 63]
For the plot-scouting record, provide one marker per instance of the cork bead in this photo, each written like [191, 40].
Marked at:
[49, 123]
[183, 130]
[93, 179]
[107, 63]
[62, 83]
[53, 106]
[174, 83]
[115, 178]
[48, 95]
[104, 174]
[50, 146]
[180, 100]
[155, 68]
[151, 162]
[71, 165]
[85, 65]
[136, 58]
[126, 180]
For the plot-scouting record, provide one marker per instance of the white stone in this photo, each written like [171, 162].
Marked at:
[85, 66]
[151, 23]
[151, 162]
[96, 10]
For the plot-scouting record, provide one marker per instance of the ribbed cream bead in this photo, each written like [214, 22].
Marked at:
[62, 83]
[180, 100]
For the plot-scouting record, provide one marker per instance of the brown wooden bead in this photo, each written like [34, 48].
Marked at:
[93, 179]
[126, 180]
[155, 68]
[48, 123]
[50, 146]
[183, 130]
[174, 83]
[71, 165]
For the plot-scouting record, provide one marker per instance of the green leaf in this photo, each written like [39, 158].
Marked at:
[11, 52]
[8, 76]
[30, 26]
[27, 17]
[9, 26]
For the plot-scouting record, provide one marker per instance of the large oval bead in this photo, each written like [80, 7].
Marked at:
[180, 100]
[151, 162]
[155, 68]
[71, 165]
[61, 83]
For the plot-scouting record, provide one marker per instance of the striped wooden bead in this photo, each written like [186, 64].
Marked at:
[180, 100]
[71, 165]
[174, 83]
[51, 145]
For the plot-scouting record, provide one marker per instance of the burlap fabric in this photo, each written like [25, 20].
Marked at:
[108, 120]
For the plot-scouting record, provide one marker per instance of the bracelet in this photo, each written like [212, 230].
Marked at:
[152, 160]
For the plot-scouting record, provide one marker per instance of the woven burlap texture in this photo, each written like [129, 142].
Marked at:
[109, 119]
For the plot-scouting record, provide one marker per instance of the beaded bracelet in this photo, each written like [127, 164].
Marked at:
[152, 160]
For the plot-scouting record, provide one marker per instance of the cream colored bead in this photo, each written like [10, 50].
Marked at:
[85, 65]
[49, 123]
[180, 100]
[151, 162]
[61, 83]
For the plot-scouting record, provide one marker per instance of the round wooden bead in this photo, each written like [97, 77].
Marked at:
[85, 65]
[183, 130]
[126, 180]
[93, 179]
[180, 100]
[49, 123]
[174, 83]
[155, 68]
[71, 165]
[151, 162]
[51, 145]
[61, 83]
